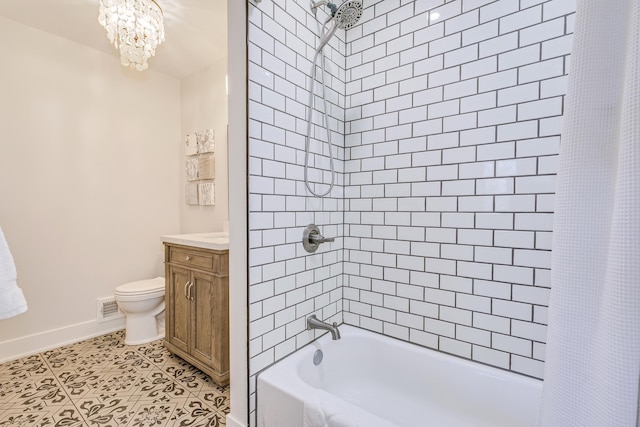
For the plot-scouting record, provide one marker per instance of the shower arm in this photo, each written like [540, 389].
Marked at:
[316, 5]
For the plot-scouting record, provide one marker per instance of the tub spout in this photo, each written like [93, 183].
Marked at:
[314, 323]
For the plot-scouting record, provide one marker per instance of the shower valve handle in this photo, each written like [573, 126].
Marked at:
[311, 238]
[316, 238]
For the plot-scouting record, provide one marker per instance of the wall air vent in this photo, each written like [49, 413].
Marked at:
[107, 309]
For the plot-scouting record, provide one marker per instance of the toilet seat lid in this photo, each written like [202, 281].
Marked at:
[141, 287]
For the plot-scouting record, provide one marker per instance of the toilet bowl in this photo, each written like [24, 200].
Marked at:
[142, 303]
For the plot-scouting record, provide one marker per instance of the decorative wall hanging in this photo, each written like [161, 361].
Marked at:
[200, 168]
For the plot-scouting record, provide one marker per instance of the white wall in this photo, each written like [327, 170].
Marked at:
[239, 369]
[204, 106]
[88, 179]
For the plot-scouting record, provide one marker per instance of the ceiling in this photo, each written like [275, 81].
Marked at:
[196, 30]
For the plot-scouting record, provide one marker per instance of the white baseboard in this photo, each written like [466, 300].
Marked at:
[232, 422]
[36, 343]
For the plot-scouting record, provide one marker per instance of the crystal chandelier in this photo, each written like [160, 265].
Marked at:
[135, 27]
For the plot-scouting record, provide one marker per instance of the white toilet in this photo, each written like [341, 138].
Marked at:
[142, 302]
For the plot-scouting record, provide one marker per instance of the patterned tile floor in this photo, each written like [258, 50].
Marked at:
[102, 382]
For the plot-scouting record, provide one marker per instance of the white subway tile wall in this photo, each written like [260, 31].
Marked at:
[288, 284]
[468, 227]
[445, 119]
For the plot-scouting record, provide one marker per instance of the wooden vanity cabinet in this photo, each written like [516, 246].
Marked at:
[197, 308]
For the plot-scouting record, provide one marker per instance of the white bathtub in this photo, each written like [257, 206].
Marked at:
[369, 380]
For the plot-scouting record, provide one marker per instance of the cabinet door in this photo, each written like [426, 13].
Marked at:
[179, 307]
[203, 317]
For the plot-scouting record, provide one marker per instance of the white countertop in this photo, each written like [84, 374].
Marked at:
[219, 241]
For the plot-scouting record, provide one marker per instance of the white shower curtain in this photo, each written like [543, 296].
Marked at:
[592, 368]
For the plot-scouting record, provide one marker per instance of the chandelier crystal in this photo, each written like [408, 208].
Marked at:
[135, 27]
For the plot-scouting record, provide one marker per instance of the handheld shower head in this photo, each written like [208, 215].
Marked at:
[345, 17]
[348, 14]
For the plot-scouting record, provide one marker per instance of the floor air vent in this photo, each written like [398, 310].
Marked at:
[107, 309]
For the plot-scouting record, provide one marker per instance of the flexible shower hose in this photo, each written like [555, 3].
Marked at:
[324, 39]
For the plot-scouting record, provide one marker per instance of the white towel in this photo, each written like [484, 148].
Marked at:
[12, 300]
